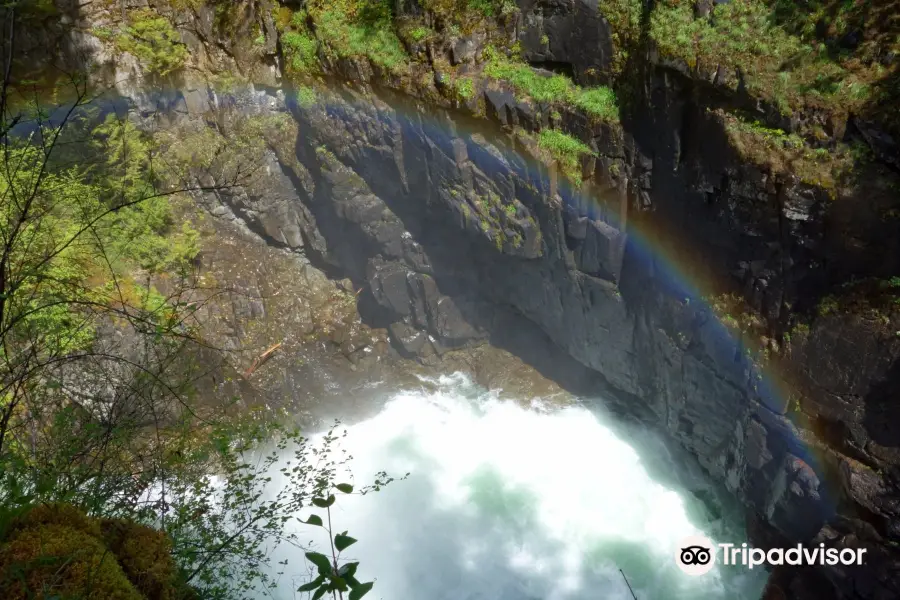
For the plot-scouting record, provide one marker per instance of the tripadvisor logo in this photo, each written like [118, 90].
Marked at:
[696, 555]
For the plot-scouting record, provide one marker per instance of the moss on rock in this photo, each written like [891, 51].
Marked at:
[57, 551]
[61, 561]
[144, 554]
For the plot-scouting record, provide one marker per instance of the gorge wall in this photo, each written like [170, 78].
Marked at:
[450, 221]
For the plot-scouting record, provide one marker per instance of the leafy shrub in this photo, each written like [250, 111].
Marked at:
[153, 41]
[370, 35]
[420, 33]
[624, 18]
[467, 14]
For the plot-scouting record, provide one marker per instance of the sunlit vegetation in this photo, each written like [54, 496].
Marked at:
[306, 96]
[624, 18]
[566, 150]
[359, 29]
[598, 102]
[465, 87]
[152, 39]
[788, 154]
[466, 15]
[790, 70]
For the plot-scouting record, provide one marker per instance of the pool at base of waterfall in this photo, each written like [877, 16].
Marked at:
[512, 501]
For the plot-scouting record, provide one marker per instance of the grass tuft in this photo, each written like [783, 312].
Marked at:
[567, 151]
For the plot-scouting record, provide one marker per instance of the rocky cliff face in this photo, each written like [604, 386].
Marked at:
[456, 236]
[456, 232]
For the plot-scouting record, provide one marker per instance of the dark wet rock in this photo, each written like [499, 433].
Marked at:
[410, 340]
[500, 106]
[568, 33]
[882, 143]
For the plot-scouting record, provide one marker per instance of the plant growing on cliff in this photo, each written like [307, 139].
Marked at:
[784, 153]
[465, 88]
[566, 150]
[359, 28]
[599, 102]
[526, 81]
[300, 51]
[774, 63]
[151, 38]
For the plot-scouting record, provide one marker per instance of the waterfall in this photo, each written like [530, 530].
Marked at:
[512, 501]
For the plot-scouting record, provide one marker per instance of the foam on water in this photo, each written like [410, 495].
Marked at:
[506, 502]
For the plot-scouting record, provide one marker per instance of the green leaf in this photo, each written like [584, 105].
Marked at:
[348, 570]
[361, 590]
[345, 487]
[319, 593]
[342, 541]
[312, 585]
[314, 520]
[323, 502]
[321, 561]
[338, 583]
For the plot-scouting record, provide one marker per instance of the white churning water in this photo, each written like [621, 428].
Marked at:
[507, 502]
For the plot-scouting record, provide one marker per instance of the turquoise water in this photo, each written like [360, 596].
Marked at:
[513, 502]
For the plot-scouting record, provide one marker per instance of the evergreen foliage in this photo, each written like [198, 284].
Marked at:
[151, 38]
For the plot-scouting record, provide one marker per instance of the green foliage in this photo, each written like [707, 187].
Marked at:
[526, 81]
[418, 34]
[487, 8]
[827, 306]
[567, 151]
[785, 153]
[151, 38]
[333, 576]
[599, 102]
[465, 87]
[106, 421]
[468, 14]
[300, 51]
[144, 231]
[360, 28]
[775, 63]
[306, 96]
[624, 18]
[187, 4]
